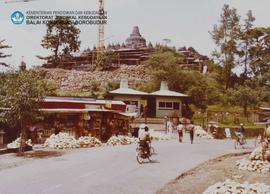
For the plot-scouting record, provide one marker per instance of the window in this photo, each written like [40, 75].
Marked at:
[131, 103]
[161, 105]
[134, 103]
[169, 105]
[165, 105]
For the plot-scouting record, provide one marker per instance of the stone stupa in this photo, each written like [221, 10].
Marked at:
[135, 40]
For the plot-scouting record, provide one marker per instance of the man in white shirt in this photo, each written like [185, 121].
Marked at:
[145, 139]
[141, 130]
[180, 129]
[170, 128]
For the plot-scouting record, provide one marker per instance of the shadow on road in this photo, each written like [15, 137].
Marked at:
[154, 161]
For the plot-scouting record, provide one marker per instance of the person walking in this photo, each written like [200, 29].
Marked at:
[170, 128]
[180, 130]
[191, 129]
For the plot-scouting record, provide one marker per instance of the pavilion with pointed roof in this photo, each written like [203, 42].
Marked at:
[161, 103]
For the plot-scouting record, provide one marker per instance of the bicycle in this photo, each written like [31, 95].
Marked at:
[240, 140]
[142, 155]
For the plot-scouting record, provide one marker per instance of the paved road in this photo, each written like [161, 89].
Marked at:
[111, 170]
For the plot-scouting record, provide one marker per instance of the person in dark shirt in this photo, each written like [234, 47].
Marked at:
[191, 129]
[241, 129]
[240, 132]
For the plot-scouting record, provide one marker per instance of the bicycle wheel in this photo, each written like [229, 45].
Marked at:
[152, 151]
[139, 156]
[236, 144]
[255, 142]
[243, 143]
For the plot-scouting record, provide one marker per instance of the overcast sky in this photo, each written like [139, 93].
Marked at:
[185, 22]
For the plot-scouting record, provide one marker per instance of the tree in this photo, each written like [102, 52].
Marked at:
[246, 43]
[62, 38]
[225, 36]
[198, 96]
[20, 95]
[164, 66]
[2, 55]
[244, 96]
[106, 59]
[260, 51]
[112, 85]
[94, 88]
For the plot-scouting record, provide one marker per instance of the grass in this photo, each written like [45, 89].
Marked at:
[74, 93]
[231, 109]
[229, 117]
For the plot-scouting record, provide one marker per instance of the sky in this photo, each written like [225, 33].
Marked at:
[184, 22]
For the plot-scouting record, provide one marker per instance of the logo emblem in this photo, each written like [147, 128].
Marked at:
[17, 17]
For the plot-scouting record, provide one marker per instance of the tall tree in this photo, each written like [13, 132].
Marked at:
[225, 36]
[246, 42]
[260, 52]
[62, 38]
[20, 95]
[2, 55]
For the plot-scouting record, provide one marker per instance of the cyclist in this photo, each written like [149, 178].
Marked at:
[240, 133]
[145, 140]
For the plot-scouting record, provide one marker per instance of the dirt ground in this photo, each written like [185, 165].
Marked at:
[197, 180]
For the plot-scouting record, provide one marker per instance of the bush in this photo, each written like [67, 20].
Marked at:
[249, 132]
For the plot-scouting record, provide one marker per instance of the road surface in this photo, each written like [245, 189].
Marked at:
[111, 170]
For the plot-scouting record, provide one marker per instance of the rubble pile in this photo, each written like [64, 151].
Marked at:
[121, 140]
[61, 141]
[253, 165]
[17, 142]
[257, 154]
[255, 161]
[158, 136]
[230, 186]
[88, 141]
[69, 80]
[201, 133]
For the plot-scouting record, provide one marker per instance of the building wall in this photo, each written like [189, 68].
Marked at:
[167, 112]
[130, 98]
[69, 105]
